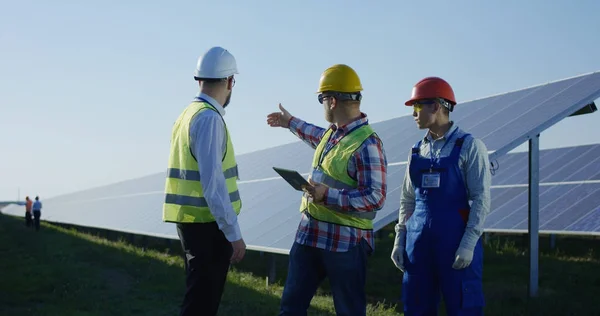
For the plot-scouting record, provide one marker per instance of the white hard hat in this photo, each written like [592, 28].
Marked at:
[216, 63]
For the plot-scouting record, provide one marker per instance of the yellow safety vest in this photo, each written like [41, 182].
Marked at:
[184, 198]
[332, 171]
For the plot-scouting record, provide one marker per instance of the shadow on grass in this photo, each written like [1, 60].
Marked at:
[62, 272]
[568, 275]
[381, 278]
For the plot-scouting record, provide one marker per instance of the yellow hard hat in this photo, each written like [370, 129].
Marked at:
[340, 78]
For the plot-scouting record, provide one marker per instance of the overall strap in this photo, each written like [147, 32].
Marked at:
[458, 146]
[416, 149]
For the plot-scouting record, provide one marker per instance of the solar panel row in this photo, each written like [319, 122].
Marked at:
[270, 214]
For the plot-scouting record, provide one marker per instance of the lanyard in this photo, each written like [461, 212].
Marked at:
[440, 152]
[325, 150]
[329, 146]
[199, 99]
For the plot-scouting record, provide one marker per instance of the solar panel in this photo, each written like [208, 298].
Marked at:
[567, 208]
[270, 212]
[569, 180]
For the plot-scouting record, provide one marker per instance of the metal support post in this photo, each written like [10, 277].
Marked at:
[534, 208]
[271, 270]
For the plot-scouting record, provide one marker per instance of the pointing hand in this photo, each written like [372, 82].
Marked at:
[279, 119]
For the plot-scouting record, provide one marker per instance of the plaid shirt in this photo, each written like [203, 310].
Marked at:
[368, 166]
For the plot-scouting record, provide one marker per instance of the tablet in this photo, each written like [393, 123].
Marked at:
[292, 177]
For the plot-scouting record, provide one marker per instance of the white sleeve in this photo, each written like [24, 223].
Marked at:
[407, 198]
[478, 182]
[208, 144]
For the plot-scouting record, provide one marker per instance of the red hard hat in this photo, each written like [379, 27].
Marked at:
[430, 88]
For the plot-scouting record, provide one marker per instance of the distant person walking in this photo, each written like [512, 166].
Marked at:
[28, 219]
[37, 212]
[201, 194]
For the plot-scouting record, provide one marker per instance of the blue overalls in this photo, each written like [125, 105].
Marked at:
[433, 234]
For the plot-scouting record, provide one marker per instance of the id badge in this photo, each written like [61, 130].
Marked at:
[431, 180]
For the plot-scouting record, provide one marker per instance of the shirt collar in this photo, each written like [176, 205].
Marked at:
[453, 127]
[345, 129]
[203, 96]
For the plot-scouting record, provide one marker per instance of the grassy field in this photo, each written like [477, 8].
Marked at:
[59, 271]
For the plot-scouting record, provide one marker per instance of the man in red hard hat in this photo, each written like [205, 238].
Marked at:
[444, 201]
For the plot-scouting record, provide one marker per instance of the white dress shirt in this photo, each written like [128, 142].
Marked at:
[208, 143]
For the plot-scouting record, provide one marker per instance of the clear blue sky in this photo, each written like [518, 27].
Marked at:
[86, 83]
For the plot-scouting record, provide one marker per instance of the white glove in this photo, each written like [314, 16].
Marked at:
[463, 258]
[398, 250]
[464, 254]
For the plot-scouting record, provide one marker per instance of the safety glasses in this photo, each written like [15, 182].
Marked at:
[418, 105]
[340, 96]
[322, 97]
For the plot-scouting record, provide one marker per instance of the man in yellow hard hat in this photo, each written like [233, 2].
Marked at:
[348, 179]
[201, 194]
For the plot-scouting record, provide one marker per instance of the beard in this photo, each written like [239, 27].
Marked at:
[227, 100]
[329, 115]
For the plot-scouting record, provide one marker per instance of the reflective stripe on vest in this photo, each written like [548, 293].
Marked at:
[332, 170]
[184, 197]
[194, 175]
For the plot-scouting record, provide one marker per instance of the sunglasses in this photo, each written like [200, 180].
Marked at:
[418, 105]
[323, 97]
[341, 96]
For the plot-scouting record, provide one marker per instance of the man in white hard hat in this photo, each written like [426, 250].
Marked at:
[201, 194]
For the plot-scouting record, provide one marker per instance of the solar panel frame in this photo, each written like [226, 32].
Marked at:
[553, 105]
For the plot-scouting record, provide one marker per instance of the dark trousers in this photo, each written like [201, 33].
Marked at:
[28, 220]
[207, 255]
[308, 267]
[36, 219]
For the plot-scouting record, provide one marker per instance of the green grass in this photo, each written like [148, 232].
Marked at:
[61, 271]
